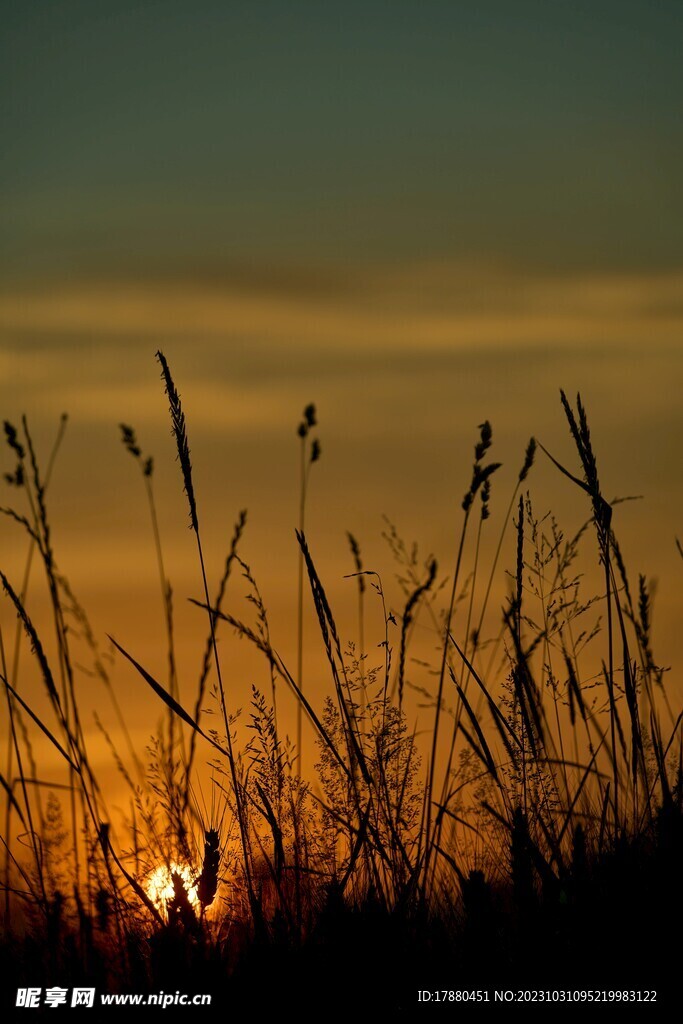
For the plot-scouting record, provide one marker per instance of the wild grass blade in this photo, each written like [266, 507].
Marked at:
[43, 728]
[168, 700]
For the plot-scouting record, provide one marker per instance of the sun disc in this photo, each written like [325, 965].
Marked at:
[159, 884]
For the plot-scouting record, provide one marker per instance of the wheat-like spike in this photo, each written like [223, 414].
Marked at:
[180, 432]
[207, 883]
[528, 459]
[355, 551]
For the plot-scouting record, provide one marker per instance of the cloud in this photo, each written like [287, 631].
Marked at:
[218, 405]
[439, 307]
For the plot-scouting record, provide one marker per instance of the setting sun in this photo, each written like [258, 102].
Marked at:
[159, 884]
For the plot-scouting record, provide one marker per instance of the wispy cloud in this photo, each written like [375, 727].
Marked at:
[435, 306]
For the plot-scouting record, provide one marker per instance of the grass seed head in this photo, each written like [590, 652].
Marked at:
[207, 883]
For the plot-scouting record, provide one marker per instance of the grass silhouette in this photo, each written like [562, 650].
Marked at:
[536, 841]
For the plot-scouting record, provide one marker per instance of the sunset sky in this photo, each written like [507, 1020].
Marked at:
[417, 216]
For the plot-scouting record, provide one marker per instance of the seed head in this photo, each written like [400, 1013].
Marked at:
[309, 415]
[130, 441]
[207, 883]
[528, 459]
[484, 444]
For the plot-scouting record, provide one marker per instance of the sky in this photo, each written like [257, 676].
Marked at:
[417, 216]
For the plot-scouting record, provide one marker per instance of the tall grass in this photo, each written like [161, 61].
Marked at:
[502, 844]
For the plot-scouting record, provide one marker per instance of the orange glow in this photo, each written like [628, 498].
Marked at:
[159, 884]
